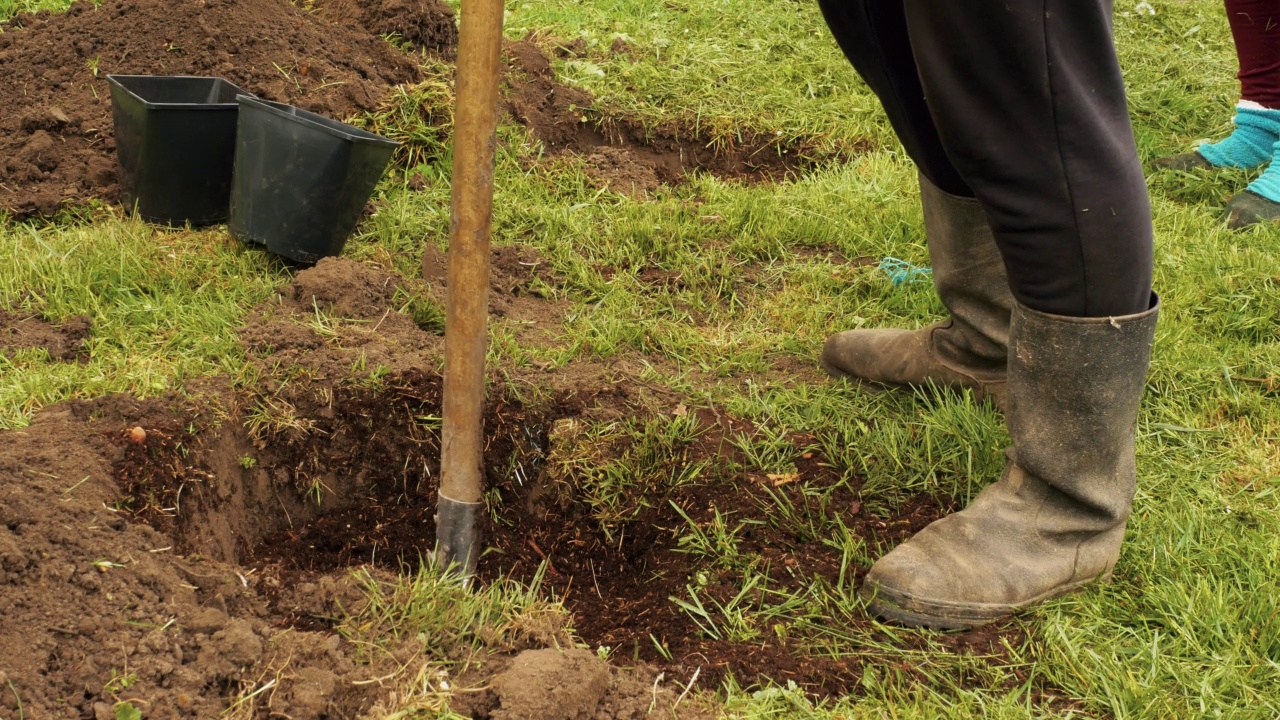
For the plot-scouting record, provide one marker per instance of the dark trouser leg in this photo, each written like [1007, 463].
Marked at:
[1028, 106]
[873, 35]
[967, 350]
[1255, 27]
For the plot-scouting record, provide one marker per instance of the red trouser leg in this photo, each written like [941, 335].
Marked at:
[1255, 25]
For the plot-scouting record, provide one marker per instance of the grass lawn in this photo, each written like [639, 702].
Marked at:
[1190, 627]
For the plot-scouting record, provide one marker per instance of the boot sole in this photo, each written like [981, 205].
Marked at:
[980, 392]
[912, 612]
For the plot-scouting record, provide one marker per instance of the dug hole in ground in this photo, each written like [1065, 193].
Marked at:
[207, 556]
[239, 552]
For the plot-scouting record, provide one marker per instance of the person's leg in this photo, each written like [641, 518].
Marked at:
[1030, 107]
[1255, 29]
[873, 36]
[969, 349]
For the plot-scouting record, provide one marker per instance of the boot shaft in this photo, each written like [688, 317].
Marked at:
[969, 276]
[1075, 385]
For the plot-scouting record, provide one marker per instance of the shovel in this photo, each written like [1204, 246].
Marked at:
[461, 500]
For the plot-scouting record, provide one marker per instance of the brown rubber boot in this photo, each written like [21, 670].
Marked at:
[1056, 519]
[966, 351]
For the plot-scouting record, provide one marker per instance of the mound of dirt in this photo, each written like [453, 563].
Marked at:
[418, 24]
[98, 610]
[344, 287]
[26, 331]
[622, 153]
[56, 137]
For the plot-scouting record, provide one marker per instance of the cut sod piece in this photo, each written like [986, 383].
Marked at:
[301, 180]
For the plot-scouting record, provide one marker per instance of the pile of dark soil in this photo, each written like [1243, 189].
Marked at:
[416, 24]
[56, 139]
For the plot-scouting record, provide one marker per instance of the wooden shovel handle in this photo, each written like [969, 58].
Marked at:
[467, 303]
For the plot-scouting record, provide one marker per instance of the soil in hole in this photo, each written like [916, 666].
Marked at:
[622, 153]
[99, 609]
[349, 505]
[56, 137]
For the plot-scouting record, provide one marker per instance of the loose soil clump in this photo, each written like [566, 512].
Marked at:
[56, 138]
[28, 331]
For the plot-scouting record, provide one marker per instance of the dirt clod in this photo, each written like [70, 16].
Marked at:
[312, 691]
[551, 684]
[345, 288]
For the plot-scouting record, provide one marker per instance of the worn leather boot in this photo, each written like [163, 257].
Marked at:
[1055, 521]
[966, 351]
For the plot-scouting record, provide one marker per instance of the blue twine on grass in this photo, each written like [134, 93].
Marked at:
[901, 271]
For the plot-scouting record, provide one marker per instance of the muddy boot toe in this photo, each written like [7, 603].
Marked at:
[1248, 208]
[904, 358]
[1186, 162]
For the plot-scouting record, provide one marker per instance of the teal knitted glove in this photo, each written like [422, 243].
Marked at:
[1250, 145]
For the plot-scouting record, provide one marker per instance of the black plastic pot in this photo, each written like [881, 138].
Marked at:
[301, 180]
[175, 139]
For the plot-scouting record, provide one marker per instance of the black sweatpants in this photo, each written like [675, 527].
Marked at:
[1020, 104]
